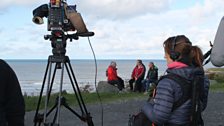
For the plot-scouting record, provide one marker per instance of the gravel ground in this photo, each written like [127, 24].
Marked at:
[117, 114]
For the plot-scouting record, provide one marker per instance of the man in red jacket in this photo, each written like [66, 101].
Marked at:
[112, 77]
[137, 76]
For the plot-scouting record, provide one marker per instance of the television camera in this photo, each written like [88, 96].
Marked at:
[61, 19]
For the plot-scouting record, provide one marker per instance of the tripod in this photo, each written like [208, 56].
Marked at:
[61, 62]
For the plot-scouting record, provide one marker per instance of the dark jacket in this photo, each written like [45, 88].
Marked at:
[12, 107]
[152, 74]
[168, 91]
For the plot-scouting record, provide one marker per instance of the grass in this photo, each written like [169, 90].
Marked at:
[89, 98]
[216, 69]
[216, 74]
[217, 87]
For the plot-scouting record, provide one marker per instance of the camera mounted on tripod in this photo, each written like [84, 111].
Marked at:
[61, 19]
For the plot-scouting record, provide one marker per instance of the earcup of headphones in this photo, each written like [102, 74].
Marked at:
[174, 55]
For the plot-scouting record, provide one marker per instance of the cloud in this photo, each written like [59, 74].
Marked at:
[26, 42]
[123, 29]
[143, 36]
[208, 9]
[14, 3]
[121, 9]
[1, 30]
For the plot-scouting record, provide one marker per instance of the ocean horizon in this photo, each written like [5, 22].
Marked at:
[30, 72]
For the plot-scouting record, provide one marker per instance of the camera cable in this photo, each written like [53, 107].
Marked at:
[97, 92]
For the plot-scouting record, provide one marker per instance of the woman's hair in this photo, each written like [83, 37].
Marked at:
[139, 61]
[188, 54]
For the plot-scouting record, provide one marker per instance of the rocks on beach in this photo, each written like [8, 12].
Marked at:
[103, 86]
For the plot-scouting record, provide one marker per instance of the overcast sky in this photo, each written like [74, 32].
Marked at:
[124, 29]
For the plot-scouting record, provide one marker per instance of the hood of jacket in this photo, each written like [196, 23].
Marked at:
[184, 70]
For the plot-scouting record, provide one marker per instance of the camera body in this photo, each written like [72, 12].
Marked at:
[61, 17]
[57, 18]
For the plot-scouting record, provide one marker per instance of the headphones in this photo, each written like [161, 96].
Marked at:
[174, 55]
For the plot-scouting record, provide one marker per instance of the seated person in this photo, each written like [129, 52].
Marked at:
[112, 77]
[152, 77]
[137, 76]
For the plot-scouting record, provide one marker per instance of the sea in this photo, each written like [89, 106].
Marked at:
[30, 73]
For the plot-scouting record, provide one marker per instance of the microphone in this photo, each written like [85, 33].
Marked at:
[217, 55]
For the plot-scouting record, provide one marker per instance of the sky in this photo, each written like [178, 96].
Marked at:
[124, 29]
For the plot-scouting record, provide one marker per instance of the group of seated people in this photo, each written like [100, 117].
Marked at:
[138, 82]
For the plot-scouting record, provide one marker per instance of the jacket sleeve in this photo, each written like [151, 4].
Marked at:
[204, 95]
[142, 73]
[160, 111]
[133, 73]
[109, 72]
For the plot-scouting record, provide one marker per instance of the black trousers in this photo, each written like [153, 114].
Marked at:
[119, 82]
[138, 85]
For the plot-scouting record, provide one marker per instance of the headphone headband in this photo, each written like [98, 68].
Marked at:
[174, 55]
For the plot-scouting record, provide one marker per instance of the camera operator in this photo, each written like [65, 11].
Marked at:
[12, 106]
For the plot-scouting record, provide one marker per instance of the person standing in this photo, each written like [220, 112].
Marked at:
[137, 76]
[112, 77]
[12, 106]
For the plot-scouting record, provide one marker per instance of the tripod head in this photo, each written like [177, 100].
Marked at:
[58, 40]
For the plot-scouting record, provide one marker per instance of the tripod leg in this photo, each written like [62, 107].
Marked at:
[55, 117]
[77, 87]
[59, 95]
[74, 89]
[87, 114]
[47, 98]
[39, 100]
[52, 82]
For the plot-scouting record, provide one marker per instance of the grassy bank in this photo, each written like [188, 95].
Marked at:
[89, 98]
[216, 75]
[217, 87]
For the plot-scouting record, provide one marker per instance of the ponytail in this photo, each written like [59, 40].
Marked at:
[197, 56]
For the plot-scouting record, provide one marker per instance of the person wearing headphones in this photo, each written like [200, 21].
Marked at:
[183, 60]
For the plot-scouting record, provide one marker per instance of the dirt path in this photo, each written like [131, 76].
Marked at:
[117, 114]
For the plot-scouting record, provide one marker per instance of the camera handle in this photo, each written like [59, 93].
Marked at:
[74, 36]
